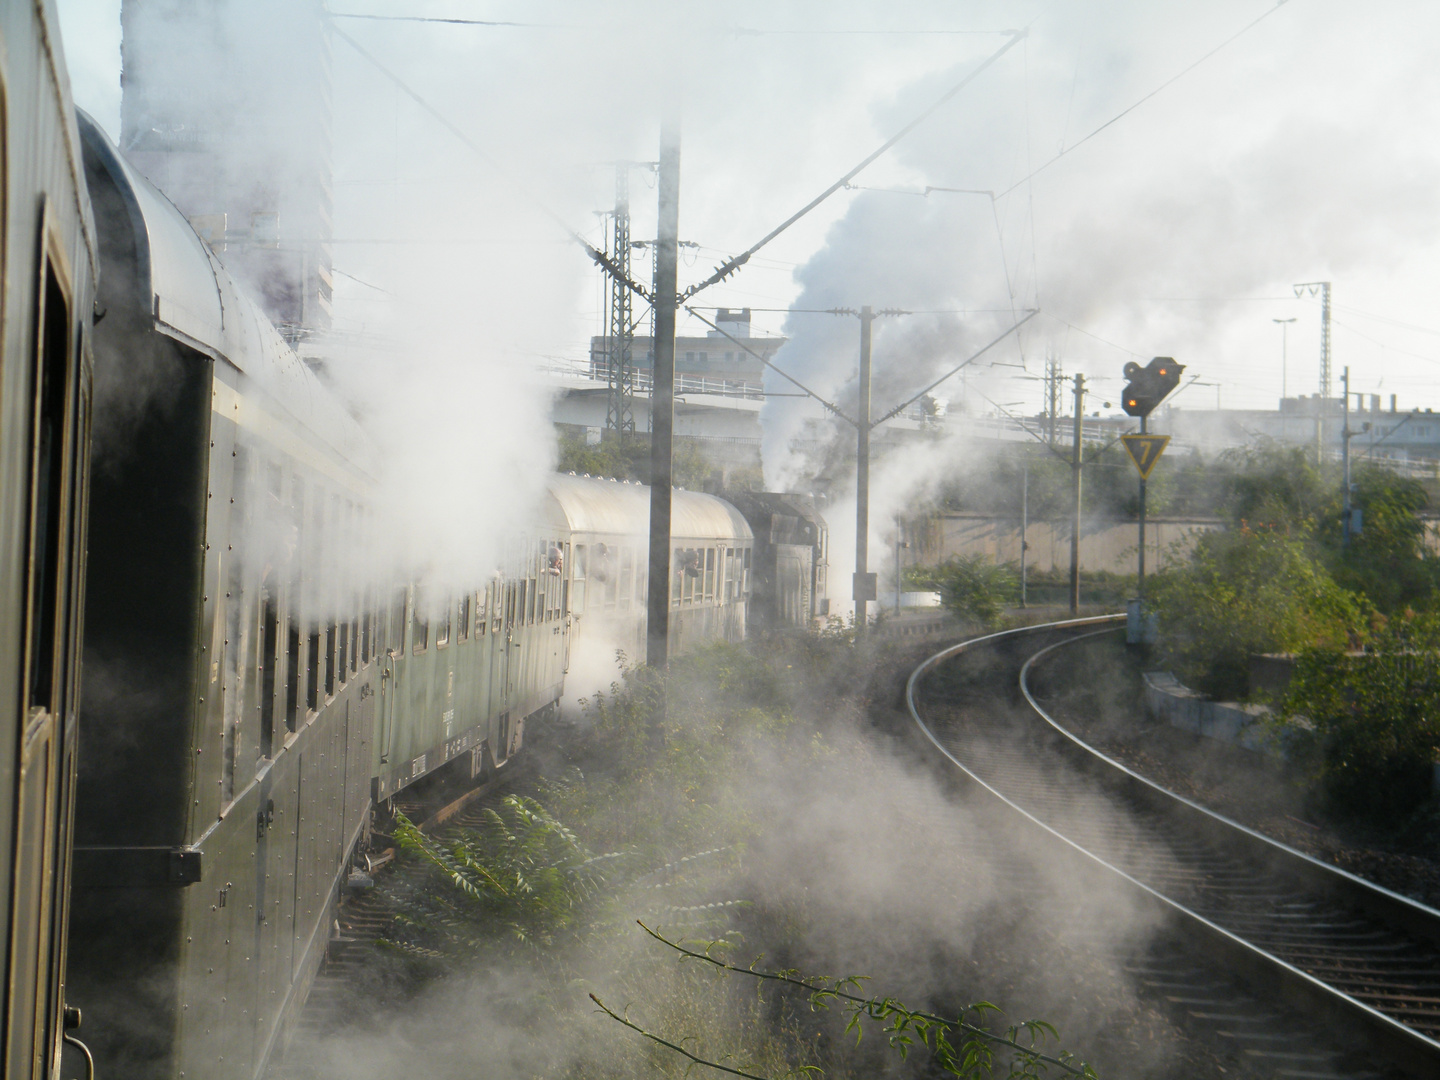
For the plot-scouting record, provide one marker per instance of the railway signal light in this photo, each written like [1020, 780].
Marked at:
[1149, 385]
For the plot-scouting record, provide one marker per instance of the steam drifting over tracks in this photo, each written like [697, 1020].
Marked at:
[1361, 961]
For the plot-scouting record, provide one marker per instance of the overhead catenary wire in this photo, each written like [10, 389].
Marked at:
[779, 371]
[729, 267]
[898, 409]
[439, 19]
[1128, 110]
[598, 256]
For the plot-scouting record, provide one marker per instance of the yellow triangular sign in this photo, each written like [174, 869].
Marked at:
[1144, 451]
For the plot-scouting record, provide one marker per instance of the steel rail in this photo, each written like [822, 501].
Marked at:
[1398, 1042]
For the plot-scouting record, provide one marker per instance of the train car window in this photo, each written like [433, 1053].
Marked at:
[482, 611]
[395, 622]
[330, 542]
[578, 556]
[365, 626]
[314, 666]
[292, 672]
[627, 576]
[709, 574]
[523, 588]
[677, 578]
[442, 625]
[269, 662]
[420, 619]
[463, 617]
[48, 469]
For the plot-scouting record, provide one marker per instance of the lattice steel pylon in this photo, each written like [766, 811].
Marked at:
[1052, 398]
[620, 407]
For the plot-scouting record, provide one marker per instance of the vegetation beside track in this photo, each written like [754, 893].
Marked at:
[1361, 618]
[653, 815]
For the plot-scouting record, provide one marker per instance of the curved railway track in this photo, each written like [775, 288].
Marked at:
[1335, 948]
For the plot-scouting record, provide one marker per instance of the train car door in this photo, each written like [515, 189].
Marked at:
[43, 774]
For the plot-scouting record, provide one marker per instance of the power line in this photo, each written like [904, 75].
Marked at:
[779, 371]
[745, 31]
[729, 267]
[599, 257]
[1126, 112]
[358, 281]
[957, 368]
[433, 19]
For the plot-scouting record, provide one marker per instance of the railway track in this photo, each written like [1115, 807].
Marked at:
[1314, 940]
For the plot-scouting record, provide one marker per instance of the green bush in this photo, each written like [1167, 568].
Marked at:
[972, 586]
[1373, 727]
[1243, 592]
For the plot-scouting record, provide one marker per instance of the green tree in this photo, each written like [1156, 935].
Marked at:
[1371, 720]
[1247, 591]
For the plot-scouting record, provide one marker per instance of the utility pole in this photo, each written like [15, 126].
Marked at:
[1024, 523]
[864, 584]
[1284, 366]
[1349, 511]
[1345, 434]
[662, 400]
[620, 401]
[899, 543]
[1075, 492]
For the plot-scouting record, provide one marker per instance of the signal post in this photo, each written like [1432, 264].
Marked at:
[1148, 386]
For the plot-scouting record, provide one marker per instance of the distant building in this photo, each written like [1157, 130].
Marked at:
[1380, 432]
[713, 356]
[719, 387]
[226, 108]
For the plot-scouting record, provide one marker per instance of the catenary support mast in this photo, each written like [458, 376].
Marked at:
[1075, 495]
[620, 401]
[662, 401]
[863, 588]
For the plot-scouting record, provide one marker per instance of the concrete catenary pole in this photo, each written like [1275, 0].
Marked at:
[1075, 494]
[862, 589]
[662, 400]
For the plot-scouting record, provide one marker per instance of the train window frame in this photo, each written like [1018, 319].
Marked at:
[464, 616]
[578, 554]
[443, 625]
[44, 629]
[626, 589]
[419, 626]
[482, 611]
[45, 747]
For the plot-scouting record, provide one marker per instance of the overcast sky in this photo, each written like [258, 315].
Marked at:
[1304, 150]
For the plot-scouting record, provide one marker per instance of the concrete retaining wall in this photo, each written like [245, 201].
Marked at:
[1166, 698]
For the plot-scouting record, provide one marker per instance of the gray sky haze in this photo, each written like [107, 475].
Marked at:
[1303, 150]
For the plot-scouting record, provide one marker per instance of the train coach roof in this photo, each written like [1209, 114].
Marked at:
[590, 505]
[195, 300]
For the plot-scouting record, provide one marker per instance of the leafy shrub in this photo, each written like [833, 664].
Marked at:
[1374, 718]
[972, 587]
[1244, 592]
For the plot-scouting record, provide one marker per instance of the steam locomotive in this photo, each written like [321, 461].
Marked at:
[250, 691]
